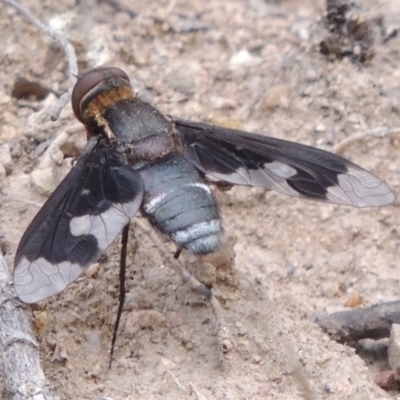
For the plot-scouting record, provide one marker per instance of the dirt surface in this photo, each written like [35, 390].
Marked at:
[254, 65]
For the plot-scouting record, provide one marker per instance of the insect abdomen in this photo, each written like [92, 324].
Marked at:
[179, 203]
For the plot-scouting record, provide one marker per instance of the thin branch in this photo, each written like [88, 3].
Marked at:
[196, 391]
[360, 323]
[65, 45]
[19, 354]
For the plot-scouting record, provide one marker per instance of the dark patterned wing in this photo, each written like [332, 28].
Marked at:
[78, 222]
[290, 168]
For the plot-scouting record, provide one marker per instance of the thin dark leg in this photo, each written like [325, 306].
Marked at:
[122, 271]
[178, 252]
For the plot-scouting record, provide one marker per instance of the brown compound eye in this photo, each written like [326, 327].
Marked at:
[90, 81]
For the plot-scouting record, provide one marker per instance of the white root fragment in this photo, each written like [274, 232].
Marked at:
[342, 146]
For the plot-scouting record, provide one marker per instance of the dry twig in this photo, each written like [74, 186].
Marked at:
[20, 361]
[360, 323]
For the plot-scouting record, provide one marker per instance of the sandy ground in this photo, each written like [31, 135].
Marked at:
[249, 64]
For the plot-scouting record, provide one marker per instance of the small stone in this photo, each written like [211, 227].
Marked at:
[385, 380]
[257, 359]
[311, 75]
[276, 96]
[354, 300]
[4, 98]
[6, 159]
[74, 145]
[226, 345]
[222, 103]
[46, 180]
[42, 321]
[92, 270]
[241, 329]
[43, 181]
[16, 149]
[38, 125]
[244, 58]
[320, 128]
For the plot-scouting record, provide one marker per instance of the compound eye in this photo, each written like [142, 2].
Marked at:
[90, 80]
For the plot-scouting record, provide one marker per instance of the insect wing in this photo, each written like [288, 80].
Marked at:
[290, 168]
[78, 222]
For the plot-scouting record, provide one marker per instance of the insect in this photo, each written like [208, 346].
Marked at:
[138, 159]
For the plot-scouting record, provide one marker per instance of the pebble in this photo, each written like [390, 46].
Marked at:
[244, 58]
[354, 299]
[43, 181]
[92, 270]
[16, 148]
[222, 103]
[320, 128]
[42, 321]
[302, 31]
[6, 159]
[276, 96]
[226, 345]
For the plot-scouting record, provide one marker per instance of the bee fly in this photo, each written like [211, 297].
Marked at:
[139, 159]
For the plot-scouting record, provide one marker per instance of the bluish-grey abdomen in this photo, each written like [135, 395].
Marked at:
[179, 203]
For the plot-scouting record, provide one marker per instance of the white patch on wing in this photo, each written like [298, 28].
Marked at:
[196, 231]
[273, 176]
[360, 188]
[281, 169]
[39, 279]
[106, 226]
[80, 225]
[357, 187]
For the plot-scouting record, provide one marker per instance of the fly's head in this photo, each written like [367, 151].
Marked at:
[97, 91]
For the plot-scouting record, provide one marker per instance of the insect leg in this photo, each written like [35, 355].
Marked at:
[122, 273]
[225, 339]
